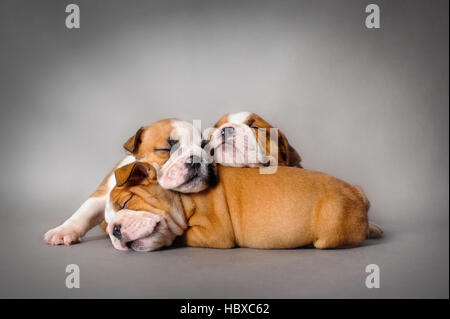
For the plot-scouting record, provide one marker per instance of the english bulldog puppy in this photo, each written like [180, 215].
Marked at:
[291, 208]
[245, 139]
[172, 147]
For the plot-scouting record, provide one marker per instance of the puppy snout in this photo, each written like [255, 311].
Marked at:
[227, 131]
[116, 231]
[193, 162]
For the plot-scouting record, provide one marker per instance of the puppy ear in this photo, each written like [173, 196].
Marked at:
[294, 158]
[134, 173]
[133, 142]
[288, 154]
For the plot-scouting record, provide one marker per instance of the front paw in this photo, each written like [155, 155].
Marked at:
[62, 235]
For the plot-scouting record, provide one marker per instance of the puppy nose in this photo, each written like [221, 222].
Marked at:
[227, 131]
[193, 162]
[116, 231]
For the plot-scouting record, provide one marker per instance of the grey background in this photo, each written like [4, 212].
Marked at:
[368, 106]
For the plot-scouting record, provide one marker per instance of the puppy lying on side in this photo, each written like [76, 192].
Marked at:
[182, 173]
[245, 139]
[291, 208]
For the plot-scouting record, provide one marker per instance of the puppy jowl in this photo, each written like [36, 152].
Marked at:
[243, 144]
[243, 148]
[231, 144]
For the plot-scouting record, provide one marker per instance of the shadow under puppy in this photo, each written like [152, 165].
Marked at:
[291, 208]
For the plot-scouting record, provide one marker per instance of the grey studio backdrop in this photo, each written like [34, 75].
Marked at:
[367, 106]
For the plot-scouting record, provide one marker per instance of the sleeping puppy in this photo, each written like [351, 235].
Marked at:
[292, 208]
[172, 146]
[244, 139]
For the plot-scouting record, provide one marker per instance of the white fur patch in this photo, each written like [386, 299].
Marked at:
[174, 173]
[127, 160]
[183, 132]
[109, 210]
[238, 118]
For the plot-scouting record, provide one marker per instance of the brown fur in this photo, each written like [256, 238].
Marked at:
[291, 208]
[142, 145]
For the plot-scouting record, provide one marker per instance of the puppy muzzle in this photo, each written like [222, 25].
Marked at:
[186, 170]
[236, 145]
[139, 231]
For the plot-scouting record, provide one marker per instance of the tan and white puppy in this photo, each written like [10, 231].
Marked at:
[245, 139]
[291, 208]
[155, 223]
[172, 146]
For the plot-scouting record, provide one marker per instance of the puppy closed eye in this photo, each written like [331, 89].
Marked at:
[173, 145]
[250, 124]
[167, 149]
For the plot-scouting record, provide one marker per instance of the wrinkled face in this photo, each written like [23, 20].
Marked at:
[173, 147]
[139, 230]
[244, 139]
[168, 156]
[141, 215]
[234, 140]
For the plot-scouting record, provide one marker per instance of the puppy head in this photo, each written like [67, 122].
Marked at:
[173, 147]
[136, 224]
[244, 139]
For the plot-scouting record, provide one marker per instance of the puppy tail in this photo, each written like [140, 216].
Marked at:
[373, 231]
